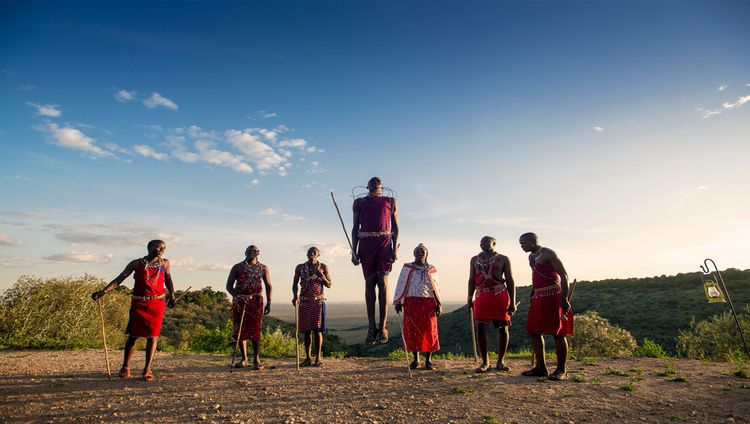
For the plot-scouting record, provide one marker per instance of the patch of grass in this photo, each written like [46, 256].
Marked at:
[675, 418]
[568, 394]
[630, 387]
[337, 355]
[490, 419]
[461, 390]
[679, 379]
[578, 378]
[742, 372]
[636, 371]
[589, 361]
[450, 356]
[669, 370]
[612, 371]
[650, 349]
[542, 379]
[596, 381]
[480, 376]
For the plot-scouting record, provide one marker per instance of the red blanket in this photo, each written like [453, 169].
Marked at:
[420, 324]
[251, 324]
[145, 317]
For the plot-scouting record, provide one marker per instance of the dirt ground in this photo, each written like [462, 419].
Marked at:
[42, 386]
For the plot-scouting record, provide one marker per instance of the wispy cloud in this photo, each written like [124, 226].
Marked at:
[157, 100]
[6, 240]
[112, 235]
[25, 87]
[189, 263]
[692, 192]
[268, 212]
[148, 151]
[125, 96]
[740, 101]
[599, 129]
[20, 177]
[706, 113]
[73, 138]
[722, 87]
[255, 182]
[16, 262]
[329, 250]
[292, 218]
[253, 149]
[51, 111]
[80, 257]
[267, 115]
[23, 214]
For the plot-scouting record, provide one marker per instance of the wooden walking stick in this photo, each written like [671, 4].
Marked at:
[239, 335]
[351, 248]
[403, 339]
[183, 294]
[104, 339]
[473, 333]
[296, 331]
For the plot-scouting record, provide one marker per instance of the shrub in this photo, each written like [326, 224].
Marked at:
[59, 313]
[596, 337]
[715, 339]
[650, 349]
[397, 354]
[273, 343]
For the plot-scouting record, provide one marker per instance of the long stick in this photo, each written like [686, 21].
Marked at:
[239, 334]
[296, 331]
[104, 339]
[473, 333]
[342, 223]
[183, 294]
[403, 339]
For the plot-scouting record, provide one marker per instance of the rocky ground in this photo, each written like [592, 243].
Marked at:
[41, 386]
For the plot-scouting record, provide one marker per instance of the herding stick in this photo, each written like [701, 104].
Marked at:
[104, 339]
[239, 334]
[473, 333]
[403, 339]
[351, 248]
[296, 331]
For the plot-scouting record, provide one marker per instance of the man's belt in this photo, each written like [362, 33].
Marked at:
[319, 298]
[159, 297]
[247, 297]
[369, 234]
[494, 289]
[546, 288]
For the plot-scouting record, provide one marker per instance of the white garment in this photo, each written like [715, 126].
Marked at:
[417, 281]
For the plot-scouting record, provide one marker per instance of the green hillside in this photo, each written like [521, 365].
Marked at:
[655, 308]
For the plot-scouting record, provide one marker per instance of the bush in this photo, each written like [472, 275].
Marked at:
[273, 343]
[596, 337]
[715, 339]
[650, 349]
[59, 313]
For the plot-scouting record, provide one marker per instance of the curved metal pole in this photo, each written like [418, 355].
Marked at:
[707, 270]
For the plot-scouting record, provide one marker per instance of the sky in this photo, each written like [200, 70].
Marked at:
[619, 132]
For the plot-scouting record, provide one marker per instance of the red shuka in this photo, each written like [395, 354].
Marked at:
[491, 299]
[375, 217]
[312, 303]
[420, 324]
[250, 297]
[545, 313]
[146, 315]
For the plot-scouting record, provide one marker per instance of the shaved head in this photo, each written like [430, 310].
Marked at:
[529, 236]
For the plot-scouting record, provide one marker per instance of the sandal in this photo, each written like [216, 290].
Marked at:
[318, 363]
[502, 367]
[241, 364]
[382, 337]
[124, 372]
[482, 369]
[535, 372]
[372, 335]
[148, 375]
[306, 363]
[414, 365]
[258, 366]
[429, 366]
[558, 375]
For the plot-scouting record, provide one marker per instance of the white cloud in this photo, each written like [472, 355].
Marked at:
[723, 87]
[80, 257]
[73, 138]
[112, 147]
[16, 262]
[692, 192]
[297, 142]
[267, 115]
[222, 158]
[21, 178]
[598, 130]
[740, 101]
[268, 212]
[706, 113]
[51, 111]
[147, 151]
[157, 100]
[330, 250]
[6, 240]
[255, 182]
[292, 218]
[113, 235]
[125, 96]
[189, 263]
[263, 155]
[269, 135]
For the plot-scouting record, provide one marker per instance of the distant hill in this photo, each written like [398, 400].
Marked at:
[655, 308]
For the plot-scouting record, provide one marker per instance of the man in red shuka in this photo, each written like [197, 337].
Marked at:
[374, 240]
[310, 277]
[495, 299]
[247, 294]
[152, 273]
[549, 311]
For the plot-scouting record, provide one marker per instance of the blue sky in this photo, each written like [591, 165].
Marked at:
[618, 131]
